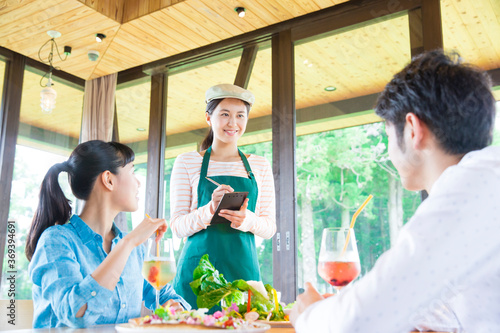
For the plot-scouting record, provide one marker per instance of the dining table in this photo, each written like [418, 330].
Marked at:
[112, 329]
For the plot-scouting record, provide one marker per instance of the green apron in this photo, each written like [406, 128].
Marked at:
[232, 252]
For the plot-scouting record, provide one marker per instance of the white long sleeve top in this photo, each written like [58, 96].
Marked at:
[444, 270]
[186, 218]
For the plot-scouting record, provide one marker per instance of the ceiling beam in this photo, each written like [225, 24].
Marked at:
[495, 76]
[426, 32]
[246, 65]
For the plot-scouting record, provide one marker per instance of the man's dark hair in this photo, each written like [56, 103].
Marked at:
[453, 99]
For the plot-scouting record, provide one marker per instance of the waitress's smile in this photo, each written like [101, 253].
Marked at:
[230, 132]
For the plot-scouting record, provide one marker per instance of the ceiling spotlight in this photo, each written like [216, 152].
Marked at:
[330, 88]
[240, 11]
[93, 55]
[99, 37]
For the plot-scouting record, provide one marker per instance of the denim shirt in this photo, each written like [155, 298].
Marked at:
[60, 270]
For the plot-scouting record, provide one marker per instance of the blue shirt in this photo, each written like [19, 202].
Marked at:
[60, 270]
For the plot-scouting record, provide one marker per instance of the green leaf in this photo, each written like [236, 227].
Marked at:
[257, 297]
[236, 296]
[212, 298]
[204, 267]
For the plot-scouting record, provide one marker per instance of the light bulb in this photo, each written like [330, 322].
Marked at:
[99, 37]
[240, 11]
[48, 98]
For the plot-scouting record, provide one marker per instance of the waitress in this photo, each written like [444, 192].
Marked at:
[194, 199]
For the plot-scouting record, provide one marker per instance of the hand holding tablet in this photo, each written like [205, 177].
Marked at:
[231, 201]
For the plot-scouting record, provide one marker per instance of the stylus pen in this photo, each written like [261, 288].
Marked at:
[212, 181]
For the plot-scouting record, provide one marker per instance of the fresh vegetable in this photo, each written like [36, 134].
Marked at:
[249, 300]
[211, 288]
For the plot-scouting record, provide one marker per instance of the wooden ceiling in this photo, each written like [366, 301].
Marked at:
[357, 61]
[138, 31]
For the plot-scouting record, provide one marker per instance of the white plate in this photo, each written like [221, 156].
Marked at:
[276, 324]
[127, 328]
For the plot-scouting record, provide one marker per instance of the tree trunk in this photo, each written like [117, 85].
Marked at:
[309, 267]
[395, 206]
[345, 218]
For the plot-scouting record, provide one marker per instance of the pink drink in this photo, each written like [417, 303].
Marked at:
[339, 273]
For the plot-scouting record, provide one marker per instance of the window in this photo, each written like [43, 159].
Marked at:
[334, 178]
[43, 140]
[342, 146]
[132, 110]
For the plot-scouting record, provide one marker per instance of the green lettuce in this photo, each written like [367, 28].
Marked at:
[206, 278]
[211, 288]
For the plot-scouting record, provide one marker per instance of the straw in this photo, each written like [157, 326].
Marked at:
[157, 243]
[353, 221]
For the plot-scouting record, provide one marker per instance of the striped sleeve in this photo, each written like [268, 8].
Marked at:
[184, 220]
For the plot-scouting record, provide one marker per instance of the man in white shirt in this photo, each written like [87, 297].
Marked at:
[443, 273]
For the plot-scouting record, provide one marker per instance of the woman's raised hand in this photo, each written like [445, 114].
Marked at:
[217, 195]
[146, 228]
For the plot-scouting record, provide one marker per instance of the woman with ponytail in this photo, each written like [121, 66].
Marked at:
[84, 270]
[194, 199]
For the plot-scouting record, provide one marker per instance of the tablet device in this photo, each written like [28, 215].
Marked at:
[232, 201]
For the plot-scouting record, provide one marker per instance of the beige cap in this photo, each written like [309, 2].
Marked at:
[229, 91]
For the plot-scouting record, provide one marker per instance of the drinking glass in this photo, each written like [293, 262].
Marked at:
[159, 265]
[338, 262]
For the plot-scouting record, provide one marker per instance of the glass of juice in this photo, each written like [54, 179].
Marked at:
[159, 264]
[338, 261]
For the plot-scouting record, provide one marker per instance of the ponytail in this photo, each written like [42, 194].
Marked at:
[86, 163]
[207, 142]
[209, 138]
[53, 207]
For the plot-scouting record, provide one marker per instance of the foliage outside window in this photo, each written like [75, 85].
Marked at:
[336, 171]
